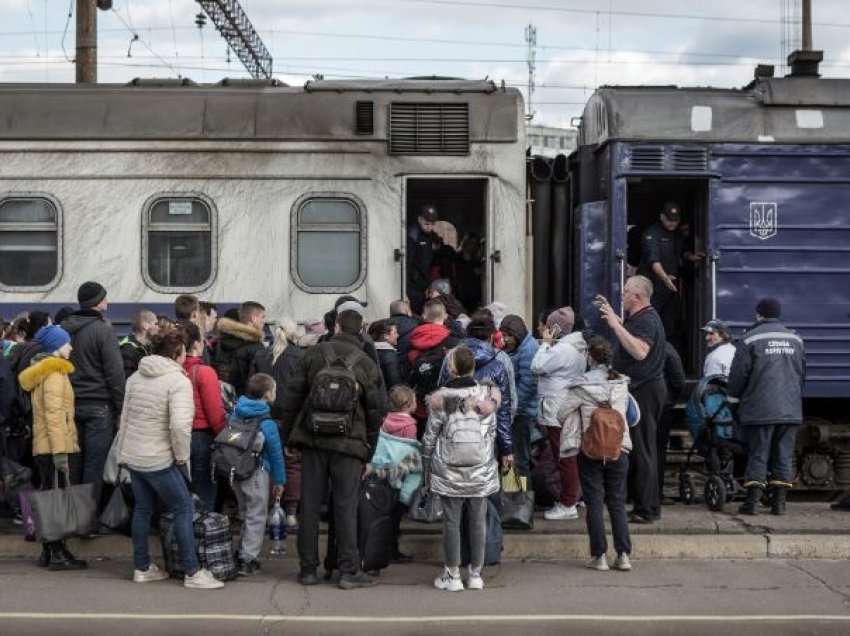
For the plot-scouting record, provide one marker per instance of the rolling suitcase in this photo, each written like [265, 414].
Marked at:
[213, 543]
[375, 527]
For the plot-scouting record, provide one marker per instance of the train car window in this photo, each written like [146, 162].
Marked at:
[328, 254]
[29, 243]
[178, 251]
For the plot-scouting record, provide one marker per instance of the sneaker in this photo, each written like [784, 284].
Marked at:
[291, 522]
[354, 581]
[599, 563]
[474, 582]
[448, 582]
[623, 563]
[247, 568]
[202, 580]
[150, 575]
[308, 577]
[560, 512]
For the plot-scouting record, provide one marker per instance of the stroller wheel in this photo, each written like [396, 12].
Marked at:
[715, 493]
[686, 489]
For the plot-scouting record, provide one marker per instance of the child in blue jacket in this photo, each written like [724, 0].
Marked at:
[253, 493]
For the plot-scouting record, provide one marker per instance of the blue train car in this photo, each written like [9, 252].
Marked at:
[762, 175]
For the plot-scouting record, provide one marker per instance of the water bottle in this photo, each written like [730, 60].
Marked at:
[277, 530]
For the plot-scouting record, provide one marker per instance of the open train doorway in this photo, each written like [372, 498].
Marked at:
[459, 237]
[691, 303]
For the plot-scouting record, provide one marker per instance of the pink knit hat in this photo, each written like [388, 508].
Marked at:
[564, 317]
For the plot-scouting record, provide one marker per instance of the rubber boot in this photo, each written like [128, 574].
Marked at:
[61, 559]
[754, 493]
[44, 557]
[778, 490]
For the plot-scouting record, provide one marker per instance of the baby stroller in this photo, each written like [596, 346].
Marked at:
[711, 421]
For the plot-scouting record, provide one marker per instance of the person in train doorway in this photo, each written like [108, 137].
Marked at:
[767, 377]
[420, 255]
[721, 351]
[640, 354]
[98, 381]
[662, 254]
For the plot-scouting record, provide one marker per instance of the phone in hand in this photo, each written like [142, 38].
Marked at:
[600, 301]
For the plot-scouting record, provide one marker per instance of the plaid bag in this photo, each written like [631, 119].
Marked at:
[213, 543]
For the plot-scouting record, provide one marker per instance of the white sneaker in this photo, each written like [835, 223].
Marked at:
[448, 582]
[150, 575]
[202, 580]
[560, 512]
[622, 563]
[598, 563]
[291, 521]
[474, 582]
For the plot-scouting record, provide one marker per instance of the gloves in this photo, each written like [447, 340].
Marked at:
[61, 464]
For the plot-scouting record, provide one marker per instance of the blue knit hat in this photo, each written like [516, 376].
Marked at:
[52, 338]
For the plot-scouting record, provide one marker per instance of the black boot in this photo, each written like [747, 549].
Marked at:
[44, 558]
[62, 559]
[777, 491]
[754, 492]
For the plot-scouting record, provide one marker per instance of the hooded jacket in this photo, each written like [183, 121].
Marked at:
[388, 359]
[206, 395]
[399, 425]
[558, 364]
[53, 430]
[238, 343]
[462, 398]
[156, 422]
[399, 460]
[526, 381]
[98, 366]
[273, 462]
[575, 409]
[426, 337]
[406, 325]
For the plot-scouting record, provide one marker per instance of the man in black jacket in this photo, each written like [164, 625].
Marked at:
[406, 321]
[675, 379]
[135, 345]
[98, 381]
[238, 344]
[420, 255]
[384, 333]
[339, 458]
[767, 376]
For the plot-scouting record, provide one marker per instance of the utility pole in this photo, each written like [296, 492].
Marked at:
[531, 40]
[804, 62]
[86, 61]
[807, 25]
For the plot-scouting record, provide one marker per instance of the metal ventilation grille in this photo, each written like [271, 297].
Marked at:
[429, 129]
[365, 118]
[647, 158]
[690, 159]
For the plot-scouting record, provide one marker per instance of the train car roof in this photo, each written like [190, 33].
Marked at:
[241, 110]
[779, 110]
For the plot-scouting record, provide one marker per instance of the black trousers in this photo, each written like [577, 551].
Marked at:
[643, 474]
[604, 485]
[343, 471]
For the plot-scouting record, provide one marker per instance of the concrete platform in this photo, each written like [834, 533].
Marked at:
[808, 531]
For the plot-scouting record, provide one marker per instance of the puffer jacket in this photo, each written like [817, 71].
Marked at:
[272, 458]
[557, 365]
[446, 459]
[156, 422]
[399, 460]
[576, 408]
[53, 431]
[237, 346]
[526, 381]
[98, 366]
[206, 393]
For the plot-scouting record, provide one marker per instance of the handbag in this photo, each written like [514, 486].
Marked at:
[426, 507]
[516, 502]
[111, 470]
[60, 513]
[118, 513]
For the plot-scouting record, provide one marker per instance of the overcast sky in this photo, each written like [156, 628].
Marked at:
[581, 43]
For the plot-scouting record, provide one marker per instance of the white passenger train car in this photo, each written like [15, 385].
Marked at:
[290, 196]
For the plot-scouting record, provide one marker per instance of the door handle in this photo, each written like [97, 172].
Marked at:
[496, 256]
[713, 258]
[621, 257]
[398, 255]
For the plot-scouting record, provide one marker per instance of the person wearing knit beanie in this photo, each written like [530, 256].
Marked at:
[769, 308]
[564, 317]
[90, 295]
[52, 338]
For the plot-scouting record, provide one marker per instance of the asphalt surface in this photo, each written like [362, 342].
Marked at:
[540, 598]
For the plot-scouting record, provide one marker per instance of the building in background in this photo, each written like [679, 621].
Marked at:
[549, 142]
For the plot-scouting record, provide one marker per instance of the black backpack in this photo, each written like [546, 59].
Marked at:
[425, 376]
[236, 451]
[334, 393]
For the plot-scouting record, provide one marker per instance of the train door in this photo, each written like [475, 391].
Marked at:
[591, 271]
[463, 247]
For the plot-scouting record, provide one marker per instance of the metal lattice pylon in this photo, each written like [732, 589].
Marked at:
[232, 22]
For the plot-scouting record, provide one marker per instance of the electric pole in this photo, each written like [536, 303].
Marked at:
[232, 22]
[86, 61]
[807, 25]
[531, 40]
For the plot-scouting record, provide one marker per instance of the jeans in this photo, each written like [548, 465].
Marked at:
[477, 520]
[343, 471]
[95, 432]
[770, 449]
[169, 487]
[253, 497]
[604, 484]
[643, 463]
[521, 435]
[200, 462]
[567, 469]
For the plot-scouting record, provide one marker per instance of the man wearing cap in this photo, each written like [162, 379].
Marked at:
[767, 377]
[721, 351]
[420, 255]
[98, 382]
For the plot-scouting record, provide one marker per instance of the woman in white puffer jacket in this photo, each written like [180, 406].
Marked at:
[154, 444]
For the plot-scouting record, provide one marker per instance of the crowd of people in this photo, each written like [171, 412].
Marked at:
[443, 402]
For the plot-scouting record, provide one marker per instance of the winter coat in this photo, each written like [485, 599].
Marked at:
[557, 365]
[22, 355]
[399, 425]
[526, 381]
[156, 422]
[719, 360]
[53, 430]
[420, 257]
[206, 395]
[406, 325]
[282, 370]
[237, 345]
[369, 414]
[388, 359]
[8, 392]
[98, 367]
[460, 399]
[428, 336]
[399, 460]
[576, 408]
[496, 368]
[273, 462]
[132, 352]
[768, 374]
